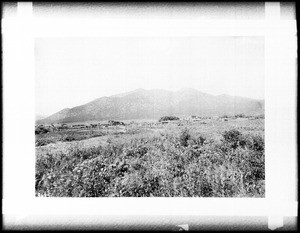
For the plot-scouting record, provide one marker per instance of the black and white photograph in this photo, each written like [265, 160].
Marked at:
[150, 117]
[151, 109]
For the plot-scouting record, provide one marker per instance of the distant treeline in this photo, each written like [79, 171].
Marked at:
[240, 115]
[169, 118]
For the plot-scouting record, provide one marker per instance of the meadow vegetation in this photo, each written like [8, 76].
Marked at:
[219, 159]
[65, 136]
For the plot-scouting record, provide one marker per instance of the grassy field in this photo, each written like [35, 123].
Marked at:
[216, 159]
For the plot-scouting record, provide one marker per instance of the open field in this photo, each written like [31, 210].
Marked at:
[209, 158]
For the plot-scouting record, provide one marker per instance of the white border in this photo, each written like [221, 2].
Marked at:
[280, 113]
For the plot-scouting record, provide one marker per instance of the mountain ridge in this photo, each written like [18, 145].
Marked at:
[155, 103]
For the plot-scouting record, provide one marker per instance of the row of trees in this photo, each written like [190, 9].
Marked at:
[168, 118]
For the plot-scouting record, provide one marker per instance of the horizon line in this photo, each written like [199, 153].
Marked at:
[137, 89]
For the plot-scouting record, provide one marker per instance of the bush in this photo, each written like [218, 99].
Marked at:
[261, 116]
[41, 130]
[184, 137]
[232, 137]
[44, 141]
[258, 143]
[168, 118]
[200, 140]
[240, 115]
[68, 138]
[224, 116]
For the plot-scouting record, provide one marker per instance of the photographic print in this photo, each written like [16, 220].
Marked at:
[150, 116]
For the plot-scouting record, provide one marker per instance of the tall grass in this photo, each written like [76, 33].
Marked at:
[165, 164]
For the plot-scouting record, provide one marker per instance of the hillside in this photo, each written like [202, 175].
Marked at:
[39, 117]
[152, 104]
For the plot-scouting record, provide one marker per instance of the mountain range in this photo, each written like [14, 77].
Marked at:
[153, 104]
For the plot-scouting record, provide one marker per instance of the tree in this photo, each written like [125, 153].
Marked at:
[168, 118]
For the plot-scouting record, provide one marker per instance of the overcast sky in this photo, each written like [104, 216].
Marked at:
[74, 71]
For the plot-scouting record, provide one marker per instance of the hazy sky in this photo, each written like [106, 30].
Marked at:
[74, 71]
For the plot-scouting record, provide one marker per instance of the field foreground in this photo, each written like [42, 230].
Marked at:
[217, 159]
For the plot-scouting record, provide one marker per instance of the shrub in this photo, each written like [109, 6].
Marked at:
[224, 116]
[41, 130]
[200, 140]
[258, 143]
[252, 142]
[168, 118]
[184, 137]
[44, 141]
[68, 138]
[232, 137]
[241, 115]
[261, 116]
